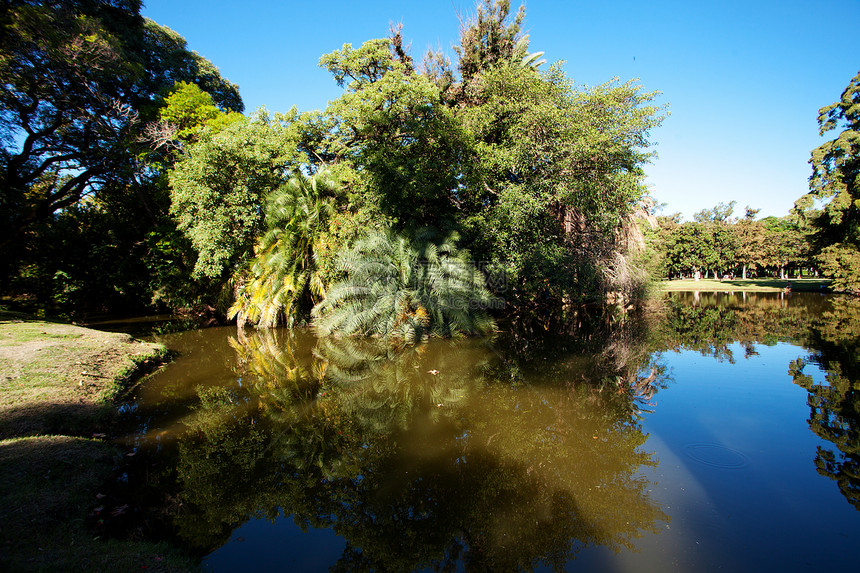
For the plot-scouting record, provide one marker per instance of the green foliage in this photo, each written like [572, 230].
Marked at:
[752, 242]
[189, 109]
[168, 60]
[539, 175]
[405, 290]
[489, 39]
[708, 244]
[687, 248]
[560, 169]
[842, 262]
[580, 148]
[82, 193]
[392, 122]
[836, 163]
[721, 213]
[218, 187]
[347, 226]
[835, 181]
[785, 244]
[79, 81]
[283, 282]
[769, 246]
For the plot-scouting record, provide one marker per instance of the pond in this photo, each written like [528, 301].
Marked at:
[715, 432]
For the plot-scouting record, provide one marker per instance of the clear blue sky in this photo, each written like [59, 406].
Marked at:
[744, 79]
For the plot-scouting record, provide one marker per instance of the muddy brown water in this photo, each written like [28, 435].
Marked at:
[718, 433]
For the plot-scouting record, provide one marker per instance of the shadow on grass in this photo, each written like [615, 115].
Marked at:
[53, 419]
[7, 315]
[50, 486]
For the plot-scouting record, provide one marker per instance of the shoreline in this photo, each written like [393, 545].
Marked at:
[59, 389]
[743, 285]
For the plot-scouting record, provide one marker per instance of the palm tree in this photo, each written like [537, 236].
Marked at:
[282, 283]
[405, 290]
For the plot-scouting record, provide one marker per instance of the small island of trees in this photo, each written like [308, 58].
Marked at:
[431, 194]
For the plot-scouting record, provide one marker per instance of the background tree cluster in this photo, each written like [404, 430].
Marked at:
[717, 244]
[822, 234]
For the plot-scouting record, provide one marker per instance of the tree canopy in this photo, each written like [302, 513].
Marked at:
[834, 181]
[110, 120]
[83, 81]
[80, 80]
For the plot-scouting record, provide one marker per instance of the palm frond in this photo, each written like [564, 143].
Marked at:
[271, 287]
[405, 290]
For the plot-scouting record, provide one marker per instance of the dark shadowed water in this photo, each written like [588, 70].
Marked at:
[716, 433]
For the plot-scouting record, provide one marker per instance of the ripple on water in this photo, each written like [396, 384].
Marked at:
[716, 455]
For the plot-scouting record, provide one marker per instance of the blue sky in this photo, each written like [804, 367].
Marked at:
[743, 79]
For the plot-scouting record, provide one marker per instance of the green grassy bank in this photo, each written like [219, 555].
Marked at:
[750, 285]
[58, 387]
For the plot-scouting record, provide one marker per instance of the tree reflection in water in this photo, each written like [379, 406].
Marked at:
[827, 327]
[833, 340]
[434, 455]
[466, 454]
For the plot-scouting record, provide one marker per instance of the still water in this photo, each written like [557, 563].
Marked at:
[716, 432]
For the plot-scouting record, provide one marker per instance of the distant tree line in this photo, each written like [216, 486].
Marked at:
[716, 244]
[821, 235]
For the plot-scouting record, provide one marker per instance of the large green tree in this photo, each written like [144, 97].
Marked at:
[560, 173]
[751, 239]
[391, 122]
[80, 79]
[834, 180]
[537, 174]
[82, 84]
[219, 185]
[687, 248]
[784, 244]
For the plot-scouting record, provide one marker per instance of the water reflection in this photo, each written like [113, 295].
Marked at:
[464, 454]
[828, 327]
[433, 456]
[711, 322]
[834, 403]
[612, 356]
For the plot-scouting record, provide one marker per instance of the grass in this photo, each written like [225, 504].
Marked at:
[50, 489]
[62, 379]
[58, 387]
[749, 285]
